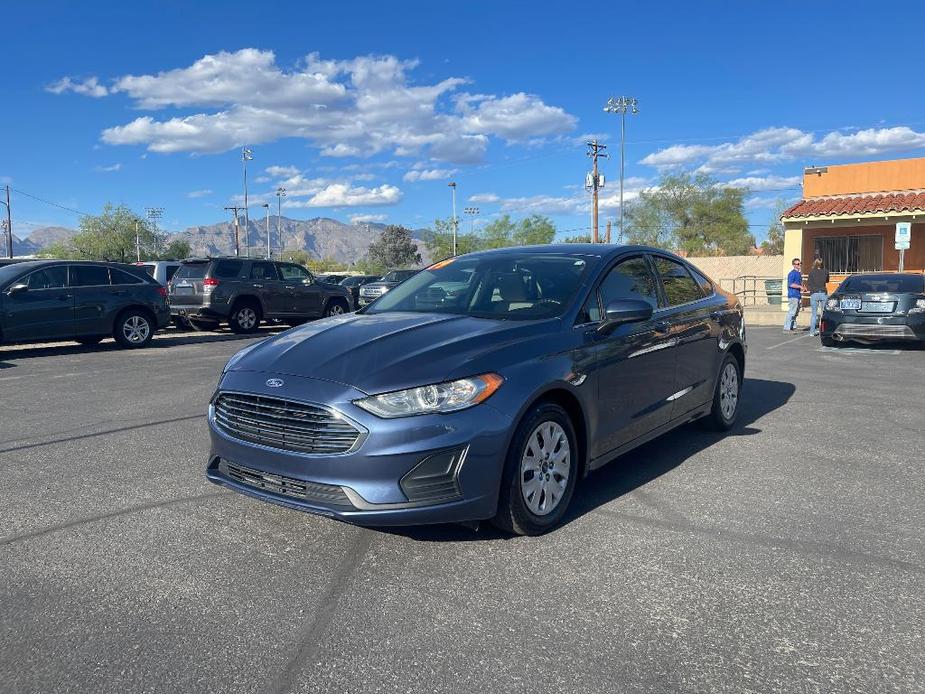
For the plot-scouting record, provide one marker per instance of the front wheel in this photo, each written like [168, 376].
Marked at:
[335, 307]
[539, 473]
[134, 328]
[726, 397]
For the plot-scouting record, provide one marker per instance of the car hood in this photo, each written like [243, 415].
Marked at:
[389, 351]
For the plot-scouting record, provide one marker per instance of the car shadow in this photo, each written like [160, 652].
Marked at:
[164, 339]
[634, 469]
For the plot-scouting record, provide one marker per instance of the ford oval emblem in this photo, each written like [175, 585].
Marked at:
[275, 382]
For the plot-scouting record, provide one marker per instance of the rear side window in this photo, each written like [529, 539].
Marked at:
[120, 277]
[630, 279]
[227, 269]
[192, 271]
[49, 278]
[680, 287]
[263, 271]
[706, 286]
[88, 275]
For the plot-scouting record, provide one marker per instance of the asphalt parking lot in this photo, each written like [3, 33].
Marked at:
[787, 556]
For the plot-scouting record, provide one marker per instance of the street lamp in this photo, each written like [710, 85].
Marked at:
[8, 224]
[246, 156]
[280, 194]
[472, 212]
[620, 105]
[452, 184]
[267, 206]
[154, 214]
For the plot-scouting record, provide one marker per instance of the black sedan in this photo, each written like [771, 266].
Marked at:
[51, 300]
[875, 307]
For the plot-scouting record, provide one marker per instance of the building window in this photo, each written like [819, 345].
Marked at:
[851, 253]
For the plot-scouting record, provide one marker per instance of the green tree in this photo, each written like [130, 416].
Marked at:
[579, 238]
[178, 249]
[534, 230]
[297, 255]
[774, 243]
[320, 265]
[110, 236]
[394, 248]
[691, 213]
[439, 243]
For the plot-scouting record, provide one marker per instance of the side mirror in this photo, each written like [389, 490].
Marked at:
[622, 311]
[18, 289]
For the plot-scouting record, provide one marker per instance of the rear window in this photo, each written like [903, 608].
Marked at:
[897, 284]
[149, 269]
[121, 277]
[192, 271]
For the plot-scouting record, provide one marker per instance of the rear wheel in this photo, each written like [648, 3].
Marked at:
[335, 307]
[539, 473]
[134, 328]
[726, 396]
[245, 318]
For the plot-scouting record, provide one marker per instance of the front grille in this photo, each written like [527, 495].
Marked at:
[327, 494]
[284, 424]
[865, 330]
[371, 293]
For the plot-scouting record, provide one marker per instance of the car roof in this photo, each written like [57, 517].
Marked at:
[600, 250]
[884, 275]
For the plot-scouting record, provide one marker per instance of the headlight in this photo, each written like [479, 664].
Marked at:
[440, 397]
[919, 306]
[831, 305]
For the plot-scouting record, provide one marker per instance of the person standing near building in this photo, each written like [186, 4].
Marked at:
[794, 295]
[818, 278]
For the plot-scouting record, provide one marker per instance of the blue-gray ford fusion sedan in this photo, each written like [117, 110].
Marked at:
[484, 387]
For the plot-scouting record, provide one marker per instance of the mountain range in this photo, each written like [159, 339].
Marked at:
[320, 237]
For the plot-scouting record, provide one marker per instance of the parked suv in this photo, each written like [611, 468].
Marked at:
[50, 300]
[354, 282]
[161, 270]
[372, 291]
[208, 291]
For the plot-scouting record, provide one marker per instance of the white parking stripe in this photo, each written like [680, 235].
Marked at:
[786, 342]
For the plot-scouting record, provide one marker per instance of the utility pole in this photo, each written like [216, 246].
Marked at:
[246, 156]
[609, 224]
[154, 214]
[269, 252]
[9, 225]
[620, 105]
[137, 242]
[280, 194]
[234, 211]
[594, 182]
[452, 184]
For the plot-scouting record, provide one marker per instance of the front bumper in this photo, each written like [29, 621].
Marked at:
[842, 326]
[365, 486]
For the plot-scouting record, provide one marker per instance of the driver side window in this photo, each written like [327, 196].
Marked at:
[630, 279]
[294, 273]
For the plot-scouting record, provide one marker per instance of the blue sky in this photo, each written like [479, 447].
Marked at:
[367, 110]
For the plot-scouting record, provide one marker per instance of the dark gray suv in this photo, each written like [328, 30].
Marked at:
[208, 291]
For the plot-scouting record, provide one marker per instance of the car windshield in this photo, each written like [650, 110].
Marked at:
[192, 271]
[502, 286]
[351, 281]
[885, 283]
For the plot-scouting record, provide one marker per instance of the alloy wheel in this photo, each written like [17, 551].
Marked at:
[247, 318]
[545, 468]
[729, 391]
[136, 329]
[336, 310]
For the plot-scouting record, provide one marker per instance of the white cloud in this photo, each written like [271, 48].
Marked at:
[357, 107]
[545, 204]
[764, 183]
[428, 174]
[362, 218]
[88, 87]
[775, 145]
[199, 193]
[484, 197]
[108, 169]
[342, 195]
[282, 171]
[364, 177]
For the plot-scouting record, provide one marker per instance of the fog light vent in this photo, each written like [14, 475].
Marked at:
[436, 477]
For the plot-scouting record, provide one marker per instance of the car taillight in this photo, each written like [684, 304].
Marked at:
[162, 291]
[208, 284]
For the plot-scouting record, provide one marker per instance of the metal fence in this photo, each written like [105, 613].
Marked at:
[755, 290]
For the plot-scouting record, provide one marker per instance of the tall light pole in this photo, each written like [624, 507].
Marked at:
[267, 206]
[452, 184]
[472, 212]
[620, 105]
[246, 156]
[8, 225]
[280, 194]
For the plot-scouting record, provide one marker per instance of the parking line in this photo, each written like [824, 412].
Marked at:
[787, 342]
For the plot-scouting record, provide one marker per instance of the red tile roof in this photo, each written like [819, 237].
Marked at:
[857, 204]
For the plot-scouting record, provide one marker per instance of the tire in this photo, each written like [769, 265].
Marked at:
[134, 328]
[95, 340]
[336, 307]
[726, 397]
[519, 511]
[245, 317]
[829, 342]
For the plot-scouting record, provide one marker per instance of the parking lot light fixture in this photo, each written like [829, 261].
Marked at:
[620, 105]
[266, 206]
[280, 194]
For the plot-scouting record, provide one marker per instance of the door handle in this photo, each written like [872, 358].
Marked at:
[258, 286]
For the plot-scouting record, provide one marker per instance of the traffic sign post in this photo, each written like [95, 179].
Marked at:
[903, 240]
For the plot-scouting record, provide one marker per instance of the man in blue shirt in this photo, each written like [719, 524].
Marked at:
[794, 294]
